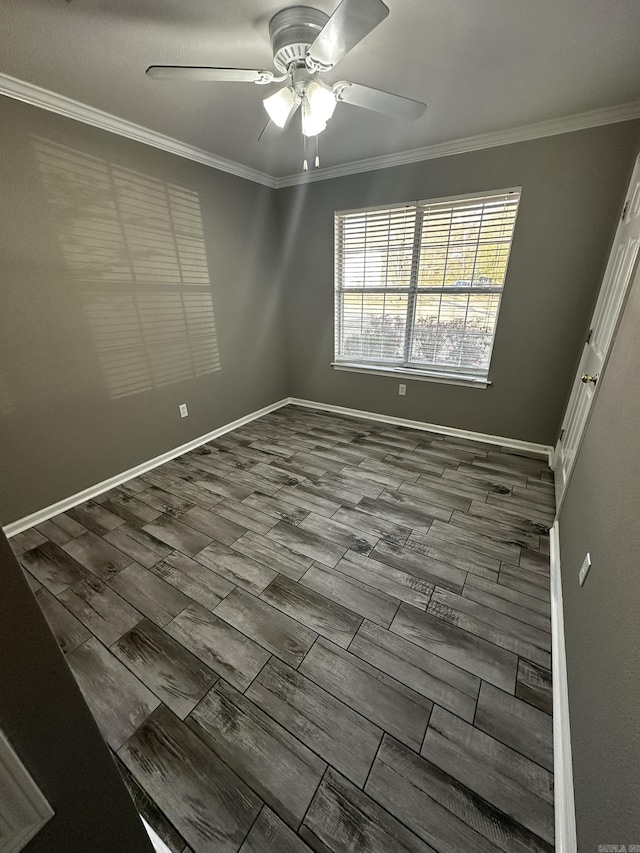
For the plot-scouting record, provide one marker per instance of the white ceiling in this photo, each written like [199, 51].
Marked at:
[482, 66]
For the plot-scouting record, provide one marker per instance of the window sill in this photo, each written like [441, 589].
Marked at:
[408, 373]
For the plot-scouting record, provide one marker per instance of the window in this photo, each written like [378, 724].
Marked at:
[418, 285]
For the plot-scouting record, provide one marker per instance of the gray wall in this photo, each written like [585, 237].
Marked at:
[573, 186]
[112, 255]
[601, 515]
[102, 243]
[45, 719]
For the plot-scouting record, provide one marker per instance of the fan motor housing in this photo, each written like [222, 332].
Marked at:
[292, 32]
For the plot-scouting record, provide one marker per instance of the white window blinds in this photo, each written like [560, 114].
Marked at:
[419, 285]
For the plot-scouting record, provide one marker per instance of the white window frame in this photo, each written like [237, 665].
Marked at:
[464, 375]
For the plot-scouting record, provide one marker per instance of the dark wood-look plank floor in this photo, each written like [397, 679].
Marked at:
[283, 771]
[280, 634]
[318, 633]
[211, 807]
[269, 834]
[176, 676]
[119, 702]
[340, 735]
[67, 629]
[386, 702]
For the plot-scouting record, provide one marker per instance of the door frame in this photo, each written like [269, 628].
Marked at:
[560, 493]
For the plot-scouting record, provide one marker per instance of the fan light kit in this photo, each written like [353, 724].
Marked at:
[306, 43]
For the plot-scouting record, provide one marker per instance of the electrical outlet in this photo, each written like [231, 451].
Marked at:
[402, 389]
[184, 412]
[586, 565]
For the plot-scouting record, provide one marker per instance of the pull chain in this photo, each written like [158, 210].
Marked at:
[305, 152]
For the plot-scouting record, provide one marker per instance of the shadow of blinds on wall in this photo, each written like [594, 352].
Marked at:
[134, 245]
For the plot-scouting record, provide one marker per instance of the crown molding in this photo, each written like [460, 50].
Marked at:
[551, 127]
[29, 93]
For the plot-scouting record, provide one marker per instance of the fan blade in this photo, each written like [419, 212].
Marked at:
[379, 101]
[211, 75]
[294, 110]
[349, 24]
[265, 130]
[271, 129]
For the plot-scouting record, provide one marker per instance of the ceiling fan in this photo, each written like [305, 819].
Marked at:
[306, 44]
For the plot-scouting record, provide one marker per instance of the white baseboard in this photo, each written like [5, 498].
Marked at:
[565, 816]
[93, 491]
[565, 826]
[511, 443]
[117, 480]
[158, 844]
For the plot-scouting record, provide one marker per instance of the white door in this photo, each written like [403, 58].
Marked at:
[614, 288]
